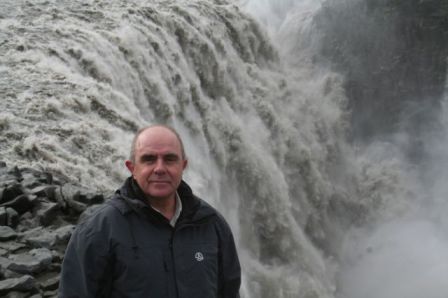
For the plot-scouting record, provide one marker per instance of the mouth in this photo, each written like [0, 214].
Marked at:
[159, 182]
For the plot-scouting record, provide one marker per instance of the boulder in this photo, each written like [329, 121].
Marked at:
[7, 233]
[12, 191]
[21, 203]
[34, 261]
[24, 283]
[46, 212]
[12, 217]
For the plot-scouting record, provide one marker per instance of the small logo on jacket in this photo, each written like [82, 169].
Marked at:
[199, 256]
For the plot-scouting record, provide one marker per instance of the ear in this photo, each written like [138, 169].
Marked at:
[185, 163]
[130, 165]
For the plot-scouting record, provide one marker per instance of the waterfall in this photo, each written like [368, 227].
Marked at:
[395, 87]
[265, 121]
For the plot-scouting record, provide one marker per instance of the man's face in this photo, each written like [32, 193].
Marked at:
[158, 164]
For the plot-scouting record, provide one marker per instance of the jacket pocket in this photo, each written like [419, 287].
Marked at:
[197, 269]
[140, 272]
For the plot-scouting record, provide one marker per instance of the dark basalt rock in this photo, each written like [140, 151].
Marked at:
[46, 212]
[21, 203]
[11, 191]
[12, 217]
[33, 261]
[38, 214]
[7, 233]
[3, 216]
[24, 283]
[45, 191]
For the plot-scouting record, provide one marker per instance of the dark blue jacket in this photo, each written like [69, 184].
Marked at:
[126, 249]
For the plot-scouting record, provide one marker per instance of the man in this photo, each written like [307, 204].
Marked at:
[154, 238]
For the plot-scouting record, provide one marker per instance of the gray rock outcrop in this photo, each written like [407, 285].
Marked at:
[38, 214]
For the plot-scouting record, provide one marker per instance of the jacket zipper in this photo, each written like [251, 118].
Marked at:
[171, 246]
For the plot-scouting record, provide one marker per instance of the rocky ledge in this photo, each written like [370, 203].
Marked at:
[38, 213]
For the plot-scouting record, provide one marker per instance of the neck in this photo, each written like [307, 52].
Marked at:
[166, 206]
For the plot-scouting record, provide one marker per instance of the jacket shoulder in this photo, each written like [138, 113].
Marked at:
[220, 222]
[101, 217]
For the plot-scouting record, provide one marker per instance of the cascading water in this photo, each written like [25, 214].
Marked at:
[264, 126]
[392, 56]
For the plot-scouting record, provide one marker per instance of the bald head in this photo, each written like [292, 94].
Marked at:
[168, 129]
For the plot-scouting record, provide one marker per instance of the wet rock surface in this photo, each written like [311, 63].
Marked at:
[38, 214]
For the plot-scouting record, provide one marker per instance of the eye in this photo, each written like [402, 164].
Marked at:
[171, 158]
[148, 158]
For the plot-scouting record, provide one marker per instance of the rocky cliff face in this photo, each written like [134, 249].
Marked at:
[38, 213]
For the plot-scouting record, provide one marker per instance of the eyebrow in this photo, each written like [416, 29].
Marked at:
[148, 156]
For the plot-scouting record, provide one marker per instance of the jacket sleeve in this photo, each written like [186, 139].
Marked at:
[230, 270]
[85, 264]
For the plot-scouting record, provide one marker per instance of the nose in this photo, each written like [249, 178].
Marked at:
[159, 167]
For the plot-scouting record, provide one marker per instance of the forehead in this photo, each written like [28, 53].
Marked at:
[158, 139]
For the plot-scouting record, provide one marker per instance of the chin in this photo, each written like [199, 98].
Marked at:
[159, 195]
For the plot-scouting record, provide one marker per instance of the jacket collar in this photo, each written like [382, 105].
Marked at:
[130, 198]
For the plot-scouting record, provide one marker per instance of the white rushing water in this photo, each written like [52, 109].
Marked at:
[264, 128]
